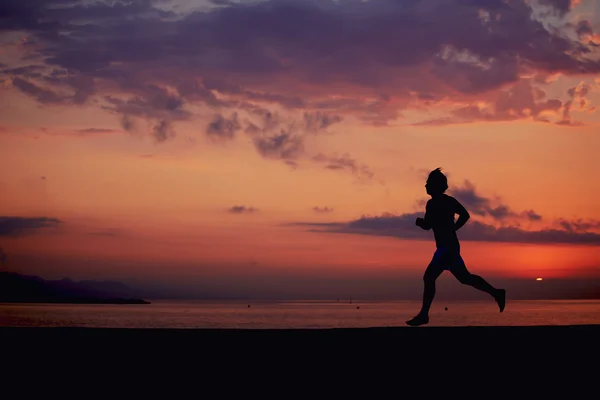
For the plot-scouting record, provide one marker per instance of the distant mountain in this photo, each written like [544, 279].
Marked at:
[17, 288]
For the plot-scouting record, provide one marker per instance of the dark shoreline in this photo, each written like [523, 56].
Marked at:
[511, 335]
[455, 359]
[75, 301]
[571, 341]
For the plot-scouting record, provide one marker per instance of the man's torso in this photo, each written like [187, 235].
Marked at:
[441, 214]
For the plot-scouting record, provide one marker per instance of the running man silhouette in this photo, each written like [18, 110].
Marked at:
[439, 216]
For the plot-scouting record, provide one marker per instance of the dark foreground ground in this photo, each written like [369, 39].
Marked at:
[484, 362]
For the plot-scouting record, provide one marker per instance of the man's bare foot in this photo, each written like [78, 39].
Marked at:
[501, 299]
[418, 320]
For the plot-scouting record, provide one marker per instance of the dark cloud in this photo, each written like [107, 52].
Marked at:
[532, 215]
[291, 163]
[318, 122]
[150, 102]
[345, 163]
[47, 17]
[561, 7]
[284, 145]
[577, 98]
[96, 130]
[242, 210]
[157, 107]
[42, 95]
[273, 134]
[505, 224]
[483, 206]
[280, 137]
[51, 86]
[579, 225]
[524, 100]
[274, 137]
[15, 226]
[127, 123]
[322, 210]
[584, 29]
[28, 71]
[223, 128]
[240, 96]
[437, 122]
[369, 59]
[162, 131]
[403, 227]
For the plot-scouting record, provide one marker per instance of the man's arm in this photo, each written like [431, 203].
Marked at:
[463, 215]
[425, 223]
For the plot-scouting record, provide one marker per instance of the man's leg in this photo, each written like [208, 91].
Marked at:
[460, 271]
[433, 271]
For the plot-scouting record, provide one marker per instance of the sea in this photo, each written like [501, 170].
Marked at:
[297, 314]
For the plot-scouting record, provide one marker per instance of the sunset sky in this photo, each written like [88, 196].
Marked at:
[279, 148]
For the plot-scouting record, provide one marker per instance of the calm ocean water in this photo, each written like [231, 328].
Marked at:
[298, 314]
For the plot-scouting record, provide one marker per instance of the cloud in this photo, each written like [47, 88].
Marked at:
[144, 59]
[579, 225]
[345, 163]
[223, 128]
[578, 97]
[531, 215]
[492, 221]
[485, 206]
[584, 29]
[150, 101]
[560, 7]
[524, 100]
[280, 137]
[127, 123]
[42, 95]
[275, 136]
[54, 88]
[16, 226]
[162, 131]
[284, 145]
[242, 210]
[403, 227]
[322, 210]
[96, 130]
[153, 103]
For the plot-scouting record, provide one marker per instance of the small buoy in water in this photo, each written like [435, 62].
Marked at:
[248, 305]
[446, 308]
[357, 307]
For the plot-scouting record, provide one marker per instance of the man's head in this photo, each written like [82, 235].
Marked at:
[436, 182]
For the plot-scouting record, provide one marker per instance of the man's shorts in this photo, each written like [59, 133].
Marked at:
[448, 259]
